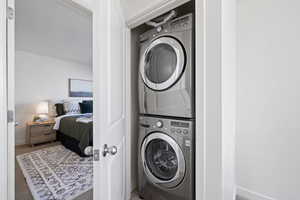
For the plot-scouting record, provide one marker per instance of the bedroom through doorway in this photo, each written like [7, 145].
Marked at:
[53, 141]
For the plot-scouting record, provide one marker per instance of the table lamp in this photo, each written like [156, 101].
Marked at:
[42, 111]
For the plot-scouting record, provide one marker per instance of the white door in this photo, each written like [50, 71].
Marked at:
[109, 78]
[11, 96]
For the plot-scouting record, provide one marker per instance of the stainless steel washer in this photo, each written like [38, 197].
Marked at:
[166, 81]
[166, 162]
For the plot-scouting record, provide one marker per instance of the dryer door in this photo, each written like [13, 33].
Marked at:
[162, 63]
[163, 160]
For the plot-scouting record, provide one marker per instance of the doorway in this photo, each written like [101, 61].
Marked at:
[53, 93]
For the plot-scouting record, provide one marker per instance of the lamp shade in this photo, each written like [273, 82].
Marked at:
[42, 108]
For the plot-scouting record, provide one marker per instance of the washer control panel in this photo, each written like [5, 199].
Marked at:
[172, 126]
[180, 127]
[180, 131]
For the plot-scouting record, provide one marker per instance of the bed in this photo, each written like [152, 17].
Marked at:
[75, 132]
[75, 129]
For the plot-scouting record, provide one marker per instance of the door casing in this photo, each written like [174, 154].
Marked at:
[3, 104]
[11, 98]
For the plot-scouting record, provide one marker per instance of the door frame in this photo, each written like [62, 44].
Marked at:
[215, 99]
[3, 104]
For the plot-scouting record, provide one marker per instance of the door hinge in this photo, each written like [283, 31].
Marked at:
[96, 155]
[10, 116]
[10, 13]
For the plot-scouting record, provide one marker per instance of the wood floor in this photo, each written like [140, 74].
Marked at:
[21, 188]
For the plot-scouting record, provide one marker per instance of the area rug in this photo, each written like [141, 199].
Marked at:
[56, 173]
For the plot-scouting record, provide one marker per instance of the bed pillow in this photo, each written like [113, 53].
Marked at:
[60, 109]
[52, 107]
[86, 107]
[89, 106]
[72, 107]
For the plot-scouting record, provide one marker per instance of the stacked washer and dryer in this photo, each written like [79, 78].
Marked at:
[167, 112]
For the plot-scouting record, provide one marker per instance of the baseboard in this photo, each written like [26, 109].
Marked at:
[251, 195]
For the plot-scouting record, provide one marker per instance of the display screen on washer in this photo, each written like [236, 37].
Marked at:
[161, 159]
[180, 124]
[160, 63]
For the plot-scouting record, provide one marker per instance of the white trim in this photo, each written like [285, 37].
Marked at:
[87, 4]
[200, 143]
[11, 101]
[251, 195]
[228, 88]
[3, 104]
[128, 116]
[215, 102]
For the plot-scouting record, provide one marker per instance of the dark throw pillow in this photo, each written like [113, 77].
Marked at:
[86, 107]
[88, 101]
[60, 109]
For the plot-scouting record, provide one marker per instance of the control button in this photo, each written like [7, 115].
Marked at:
[159, 29]
[188, 143]
[172, 130]
[185, 132]
[159, 124]
[178, 130]
[145, 125]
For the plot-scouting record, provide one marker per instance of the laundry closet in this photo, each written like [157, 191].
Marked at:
[153, 116]
[164, 98]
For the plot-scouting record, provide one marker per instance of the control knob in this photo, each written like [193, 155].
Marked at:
[159, 124]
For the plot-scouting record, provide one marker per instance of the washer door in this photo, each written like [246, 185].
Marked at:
[163, 160]
[162, 63]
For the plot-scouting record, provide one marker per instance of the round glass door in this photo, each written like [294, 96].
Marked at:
[163, 160]
[162, 63]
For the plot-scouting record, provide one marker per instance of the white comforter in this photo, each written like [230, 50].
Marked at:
[58, 119]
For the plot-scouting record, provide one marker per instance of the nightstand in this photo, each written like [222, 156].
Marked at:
[40, 132]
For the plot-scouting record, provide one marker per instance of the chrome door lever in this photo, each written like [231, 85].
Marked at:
[109, 150]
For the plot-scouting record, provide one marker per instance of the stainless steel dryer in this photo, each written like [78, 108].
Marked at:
[165, 159]
[166, 81]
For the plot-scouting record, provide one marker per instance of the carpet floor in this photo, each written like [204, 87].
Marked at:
[22, 189]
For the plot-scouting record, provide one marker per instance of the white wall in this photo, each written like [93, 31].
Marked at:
[40, 78]
[268, 103]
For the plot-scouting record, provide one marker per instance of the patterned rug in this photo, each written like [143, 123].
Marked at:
[56, 173]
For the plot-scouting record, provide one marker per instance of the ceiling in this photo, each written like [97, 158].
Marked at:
[56, 28]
